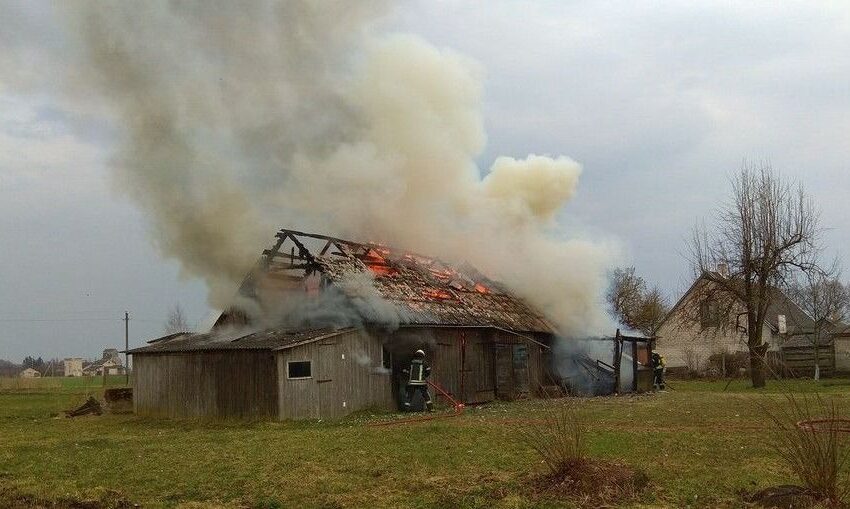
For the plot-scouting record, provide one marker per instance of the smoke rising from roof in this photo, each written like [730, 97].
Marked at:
[238, 119]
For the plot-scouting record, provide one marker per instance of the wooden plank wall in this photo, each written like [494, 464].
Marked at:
[212, 384]
[463, 363]
[800, 361]
[480, 364]
[346, 376]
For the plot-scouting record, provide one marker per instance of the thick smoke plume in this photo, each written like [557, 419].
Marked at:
[237, 119]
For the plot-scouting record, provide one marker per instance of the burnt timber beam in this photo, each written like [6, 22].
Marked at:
[272, 255]
[302, 266]
[354, 247]
[274, 251]
[327, 246]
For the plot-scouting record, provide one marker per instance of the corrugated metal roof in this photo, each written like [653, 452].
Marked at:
[268, 339]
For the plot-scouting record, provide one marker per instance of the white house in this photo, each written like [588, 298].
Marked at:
[73, 366]
[109, 363]
[697, 327]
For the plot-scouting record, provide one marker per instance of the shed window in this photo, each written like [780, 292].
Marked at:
[298, 369]
[386, 359]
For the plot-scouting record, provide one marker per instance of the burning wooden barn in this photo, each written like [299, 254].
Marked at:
[324, 326]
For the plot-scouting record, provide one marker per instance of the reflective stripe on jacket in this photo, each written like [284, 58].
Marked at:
[419, 371]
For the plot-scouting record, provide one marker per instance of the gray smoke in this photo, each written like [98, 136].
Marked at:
[238, 118]
[575, 361]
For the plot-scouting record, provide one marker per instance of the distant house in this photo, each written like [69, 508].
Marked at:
[30, 373]
[109, 364]
[73, 366]
[698, 326]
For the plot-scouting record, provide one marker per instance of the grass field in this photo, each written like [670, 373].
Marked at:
[699, 445]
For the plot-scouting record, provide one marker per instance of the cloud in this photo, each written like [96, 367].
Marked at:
[658, 103]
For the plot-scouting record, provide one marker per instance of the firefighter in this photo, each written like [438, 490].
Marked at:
[658, 369]
[417, 374]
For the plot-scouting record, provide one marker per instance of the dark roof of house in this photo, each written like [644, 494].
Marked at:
[268, 339]
[422, 290]
[807, 341]
[796, 319]
[100, 362]
[838, 328]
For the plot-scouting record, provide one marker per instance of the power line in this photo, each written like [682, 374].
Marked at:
[60, 319]
[76, 320]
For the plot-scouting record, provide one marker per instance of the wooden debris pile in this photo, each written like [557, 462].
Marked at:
[90, 407]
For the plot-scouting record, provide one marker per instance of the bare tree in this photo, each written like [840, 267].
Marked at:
[176, 321]
[766, 235]
[634, 303]
[826, 300]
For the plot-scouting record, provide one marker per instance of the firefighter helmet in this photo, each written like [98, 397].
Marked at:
[420, 353]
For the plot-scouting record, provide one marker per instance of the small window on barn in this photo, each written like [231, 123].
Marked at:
[386, 359]
[298, 369]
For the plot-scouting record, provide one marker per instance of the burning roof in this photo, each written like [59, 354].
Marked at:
[424, 290]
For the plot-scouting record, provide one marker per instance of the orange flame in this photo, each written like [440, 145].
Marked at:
[382, 270]
[436, 293]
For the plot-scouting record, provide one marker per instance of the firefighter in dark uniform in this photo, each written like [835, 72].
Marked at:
[658, 369]
[417, 374]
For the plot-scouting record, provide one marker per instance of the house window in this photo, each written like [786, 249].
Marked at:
[709, 313]
[298, 369]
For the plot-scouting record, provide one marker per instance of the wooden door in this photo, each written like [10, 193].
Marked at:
[520, 370]
[331, 386]
[504, 371]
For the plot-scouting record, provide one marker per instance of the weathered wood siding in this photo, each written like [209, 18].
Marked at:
[479, 365]
[800, 361]
[520, 371]
[346, 376]
[841, 344]
[210, 384]
[462, 363]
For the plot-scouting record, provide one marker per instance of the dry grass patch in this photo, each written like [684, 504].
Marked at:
[811, 437]
[559, 438]
[591, 482]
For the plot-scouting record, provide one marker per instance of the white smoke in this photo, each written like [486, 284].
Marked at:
[238, 119]
[351, 301]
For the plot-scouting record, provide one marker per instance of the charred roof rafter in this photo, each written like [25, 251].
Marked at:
[424, 290]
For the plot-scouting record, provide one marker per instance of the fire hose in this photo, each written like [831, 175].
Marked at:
[458, 409]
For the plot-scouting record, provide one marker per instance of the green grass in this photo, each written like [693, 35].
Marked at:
[700, 446]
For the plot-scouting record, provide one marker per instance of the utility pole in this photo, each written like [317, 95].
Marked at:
[126, 345]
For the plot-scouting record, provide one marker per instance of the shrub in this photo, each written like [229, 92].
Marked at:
[560, 441]
[693, 361]
[734, 362]
[559, 438]
[808, 436]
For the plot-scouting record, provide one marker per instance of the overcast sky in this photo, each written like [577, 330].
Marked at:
[658, 101]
